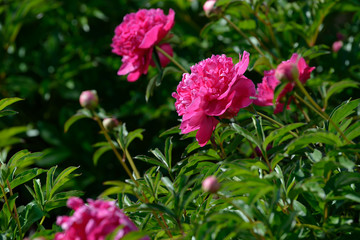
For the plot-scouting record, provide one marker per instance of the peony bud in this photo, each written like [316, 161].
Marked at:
[287, 71]
[337, 46]
[89, 99]
[208, 6]
[210, 185]
[110, 123]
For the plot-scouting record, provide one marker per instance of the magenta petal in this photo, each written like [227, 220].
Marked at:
[242, 65]
[217, 108]
[170, 22]
[126, 67]
[206, 128]
[132, 77]
[151, 37]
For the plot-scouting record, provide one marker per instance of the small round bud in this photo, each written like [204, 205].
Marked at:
[89, 99]
[210, 185]
[209, 6]
[287, 71]
[110, 123]
[337, 46]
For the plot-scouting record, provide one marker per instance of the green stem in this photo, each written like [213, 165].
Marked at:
[42, 220]
[129, 158]
[316, 108]
[243, 35]
[117, 154]
[16, 215]
[171, 59]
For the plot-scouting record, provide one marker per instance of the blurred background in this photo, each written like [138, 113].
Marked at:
[52, 50]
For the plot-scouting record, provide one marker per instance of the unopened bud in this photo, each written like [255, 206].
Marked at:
[89, 99]
[208, 6]
[210, 185]
[337, 46]
[110, 123]
[287, 71]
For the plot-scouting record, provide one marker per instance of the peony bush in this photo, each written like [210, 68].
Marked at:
[259, 100]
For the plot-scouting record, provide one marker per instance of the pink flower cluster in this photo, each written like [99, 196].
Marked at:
[136, 37]
[295, 67]
[214, 89]
[93, 221]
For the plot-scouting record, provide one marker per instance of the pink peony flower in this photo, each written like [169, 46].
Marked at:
[337, 46]
[93, 221]
[136, 37]
[208, 6]
[285, 71]
[215, 88]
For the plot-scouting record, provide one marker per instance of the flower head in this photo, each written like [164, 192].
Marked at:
[136, 37]
[211, 185]
[295, 67]
[93, 221]
[89, 99]
[215, 88]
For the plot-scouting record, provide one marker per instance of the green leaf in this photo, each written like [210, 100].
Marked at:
[118, 187]
[313, 138]
[338, 87]
[38, 192]
[160, 156]
[134, 235]
[171, 131]
[99, 152]
[132, 135]
[279, 133]
[7, 113]
[26, 176]
[73, 120]
[8, 101]
[341, 112]
[29, 215]
[49, 181]
[151, 161]
[168, 151]
[247, 24]
[61, 179]
[246, 134]
[158, 208]
[353, 131]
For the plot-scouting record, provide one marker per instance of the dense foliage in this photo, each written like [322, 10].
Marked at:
[224, 119]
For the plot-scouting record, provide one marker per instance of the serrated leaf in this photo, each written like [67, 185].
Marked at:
[8, 101]
[73, 120]
[99, 152]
